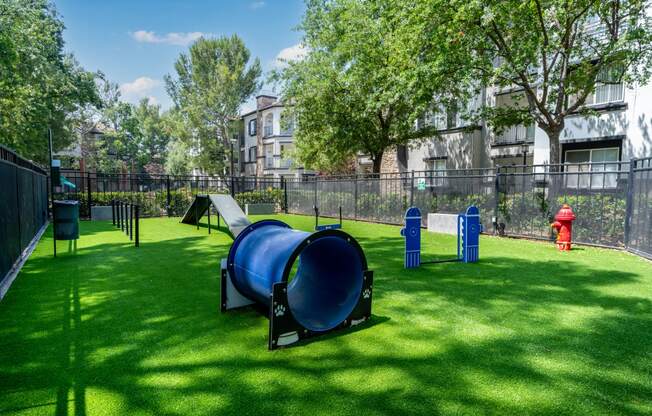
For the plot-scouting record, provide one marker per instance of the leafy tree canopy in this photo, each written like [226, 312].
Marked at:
[362, 82]
[40, 86]
[551, 53]
[212, 81]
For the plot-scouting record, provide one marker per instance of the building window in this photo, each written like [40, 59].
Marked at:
[286, 151]
[252, 127]
[269, 156]
[444, 118]
[436, 172]
[609, 88]
[588, 169]
[268, 128]
[519, 133]
[252, 154]
[287, 124]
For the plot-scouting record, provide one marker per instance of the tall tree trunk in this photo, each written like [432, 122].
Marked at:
[555, 147]
[377, 162]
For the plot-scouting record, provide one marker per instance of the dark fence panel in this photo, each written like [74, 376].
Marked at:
[160, 195]
[452, 191]
[9, 220]
[23, 206]
[156, 195]
[640, 223]
[530, 196]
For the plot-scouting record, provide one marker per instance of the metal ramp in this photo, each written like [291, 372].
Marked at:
[226, 207]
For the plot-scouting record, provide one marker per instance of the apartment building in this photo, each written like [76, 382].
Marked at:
[619, 129]
[265, 141]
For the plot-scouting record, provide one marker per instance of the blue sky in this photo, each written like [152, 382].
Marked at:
[136, 42]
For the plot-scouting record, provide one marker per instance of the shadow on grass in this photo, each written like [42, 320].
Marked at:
[142, 330]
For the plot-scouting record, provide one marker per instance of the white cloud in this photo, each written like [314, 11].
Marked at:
[256, 5]
[292, 53]
[172, 38]
[140, 88]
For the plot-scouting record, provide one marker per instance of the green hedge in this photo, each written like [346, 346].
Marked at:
[600, 217]
[154, 204]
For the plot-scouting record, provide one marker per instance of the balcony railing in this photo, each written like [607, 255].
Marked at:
[515, 135]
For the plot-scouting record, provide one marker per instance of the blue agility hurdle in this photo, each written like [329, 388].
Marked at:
[326, 226]
[468, 238]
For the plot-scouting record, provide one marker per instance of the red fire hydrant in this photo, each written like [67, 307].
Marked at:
[564, 226]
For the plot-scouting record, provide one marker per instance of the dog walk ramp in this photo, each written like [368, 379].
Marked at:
[226, 207]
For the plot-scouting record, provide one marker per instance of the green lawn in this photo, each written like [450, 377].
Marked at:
[113, 329]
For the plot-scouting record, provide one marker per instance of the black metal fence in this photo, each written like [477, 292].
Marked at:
[530, 196]
[23, 207]
[611, 200]
[159, 195]
[639, 226]
[385, 197]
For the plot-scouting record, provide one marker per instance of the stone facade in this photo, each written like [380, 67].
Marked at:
[389, 163]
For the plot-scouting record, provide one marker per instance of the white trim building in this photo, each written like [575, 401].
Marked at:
[265, 141]
[620, 129]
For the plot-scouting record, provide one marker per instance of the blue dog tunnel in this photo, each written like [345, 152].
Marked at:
[328, 280]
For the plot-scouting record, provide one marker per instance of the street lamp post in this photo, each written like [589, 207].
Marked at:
[233, 142]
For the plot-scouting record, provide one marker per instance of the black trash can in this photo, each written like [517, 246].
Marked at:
[66, 218]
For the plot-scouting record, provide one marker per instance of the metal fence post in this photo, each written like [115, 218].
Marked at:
[355, 197]
[232, 187]
[315, 196]
[89, 198]
[629, 201]
[126, 218]
[412, 188]
[167, 187]
[131, 221]
[284, 185]
[496, 199]
[137, 213]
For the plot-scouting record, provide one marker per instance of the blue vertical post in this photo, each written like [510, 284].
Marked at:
[412, 234]
[469, 229]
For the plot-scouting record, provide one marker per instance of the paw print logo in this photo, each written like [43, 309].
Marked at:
[366, 293]
[279, 310]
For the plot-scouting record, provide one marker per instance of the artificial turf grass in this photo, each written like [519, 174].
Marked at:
[114, 329]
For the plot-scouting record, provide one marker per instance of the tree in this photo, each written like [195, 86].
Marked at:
[40, 86]
[151, 135]
[179, 159]
[361, 85]
[91, 117]
[553, 52]
[136, 138]
[119, 149]
[212, 81]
